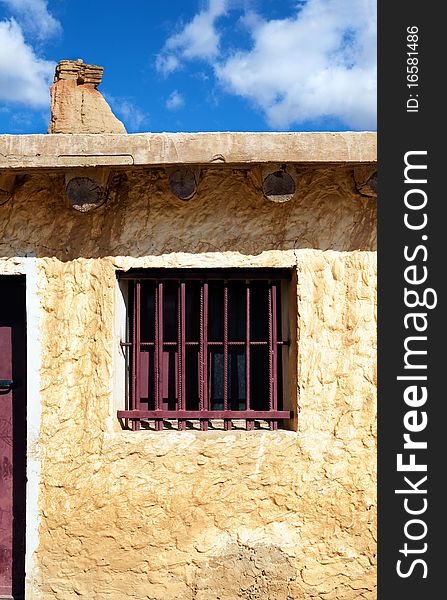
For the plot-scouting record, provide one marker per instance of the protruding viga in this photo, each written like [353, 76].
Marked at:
[76, 104]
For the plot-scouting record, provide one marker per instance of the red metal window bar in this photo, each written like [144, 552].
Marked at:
[204, 347]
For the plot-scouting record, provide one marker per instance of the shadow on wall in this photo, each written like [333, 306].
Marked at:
[228, 213]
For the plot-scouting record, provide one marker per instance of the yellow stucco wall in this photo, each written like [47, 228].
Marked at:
[203, 515]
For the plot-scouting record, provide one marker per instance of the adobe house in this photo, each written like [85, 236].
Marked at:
[187, 360]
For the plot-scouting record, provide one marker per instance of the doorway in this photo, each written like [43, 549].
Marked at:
[12, 436]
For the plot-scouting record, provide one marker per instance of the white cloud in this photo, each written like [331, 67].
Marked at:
[198, 39]
[34, 17]
[167, 63]
[320, 62]
[175, 101]
[24, 77]
[125, 108]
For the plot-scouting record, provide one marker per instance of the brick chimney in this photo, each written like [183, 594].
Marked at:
[76, 104]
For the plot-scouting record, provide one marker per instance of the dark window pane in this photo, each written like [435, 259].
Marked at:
[259, 318]
[215, 312]
[236, 380]
[192, 378]
[236, 312]
[170, 331]
[281, 350]
[216, 365]
[192, 311]
[259, 378]
[147, 312]
[170, 378]
[146, 377]
[279, 383]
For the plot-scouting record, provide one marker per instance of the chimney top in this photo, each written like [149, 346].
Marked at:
[76, 105]
[79, 71]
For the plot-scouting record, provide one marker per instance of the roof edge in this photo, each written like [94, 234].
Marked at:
[37, 151]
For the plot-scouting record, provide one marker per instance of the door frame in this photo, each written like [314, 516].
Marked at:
[28, 266]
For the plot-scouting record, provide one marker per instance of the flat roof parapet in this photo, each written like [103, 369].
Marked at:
[25, 152]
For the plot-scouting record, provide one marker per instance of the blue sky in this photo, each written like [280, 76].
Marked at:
[197, 65]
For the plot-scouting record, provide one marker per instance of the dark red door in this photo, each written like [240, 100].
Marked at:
[12, 436]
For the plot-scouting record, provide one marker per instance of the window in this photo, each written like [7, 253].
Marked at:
[204, 349]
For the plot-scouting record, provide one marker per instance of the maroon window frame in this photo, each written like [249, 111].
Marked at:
[204, 347]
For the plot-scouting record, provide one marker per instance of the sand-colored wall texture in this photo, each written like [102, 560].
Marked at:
[262, 515]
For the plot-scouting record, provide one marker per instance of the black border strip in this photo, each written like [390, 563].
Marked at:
[410, 124]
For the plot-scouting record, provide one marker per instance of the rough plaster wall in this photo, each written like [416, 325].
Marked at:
[228, 214]
[204, 516]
